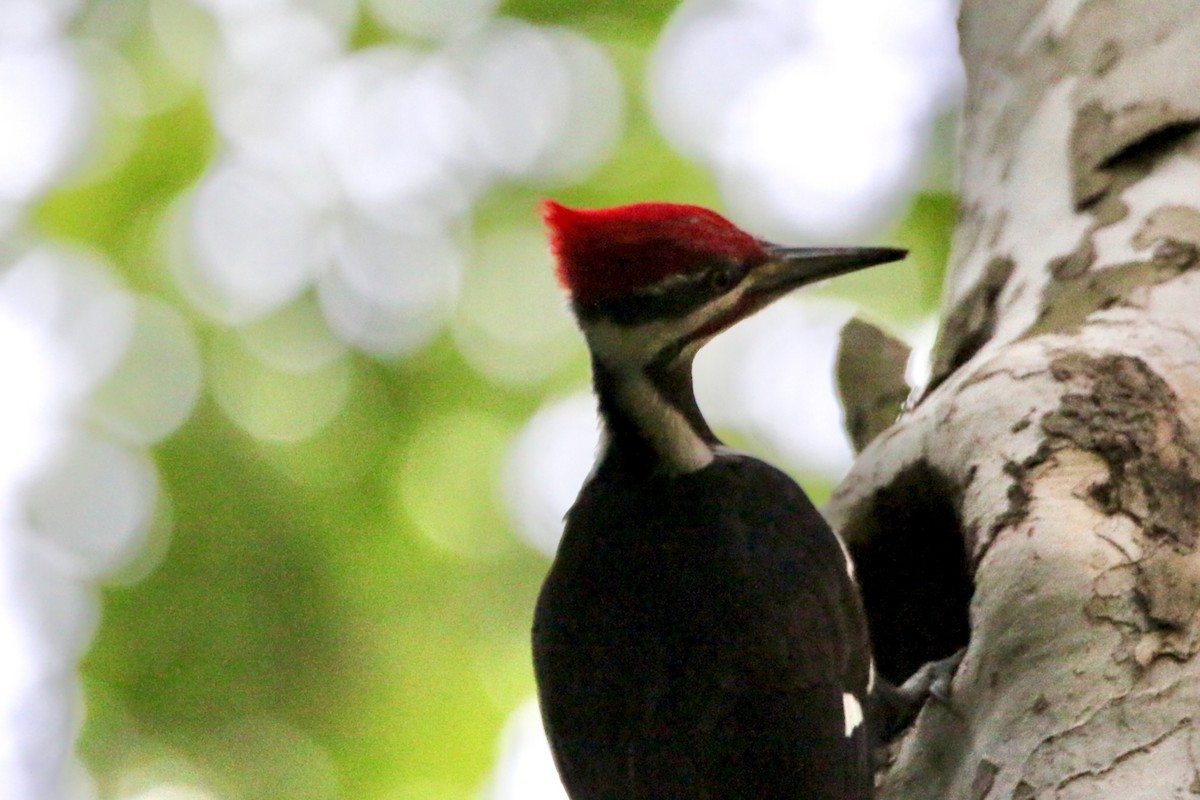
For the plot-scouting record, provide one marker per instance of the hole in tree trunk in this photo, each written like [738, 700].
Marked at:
[916, 583]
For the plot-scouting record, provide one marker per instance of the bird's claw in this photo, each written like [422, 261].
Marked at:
[942, 673]
[933, 680]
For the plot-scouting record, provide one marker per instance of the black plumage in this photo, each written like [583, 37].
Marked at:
[700, 635]
[695, 639]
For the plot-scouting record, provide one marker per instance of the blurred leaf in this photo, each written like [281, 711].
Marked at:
[354, 603]
[641, 20]
[118, 213]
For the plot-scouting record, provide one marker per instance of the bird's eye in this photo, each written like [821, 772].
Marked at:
[723, 278]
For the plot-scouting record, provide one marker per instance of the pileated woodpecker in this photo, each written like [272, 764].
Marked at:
[700, 635]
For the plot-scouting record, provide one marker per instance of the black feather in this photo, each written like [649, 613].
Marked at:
[694, 639]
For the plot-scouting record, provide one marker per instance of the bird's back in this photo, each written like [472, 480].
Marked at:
[699, 637]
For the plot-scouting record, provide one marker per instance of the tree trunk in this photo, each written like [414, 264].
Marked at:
[1043, 492]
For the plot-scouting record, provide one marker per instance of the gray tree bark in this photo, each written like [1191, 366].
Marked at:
[1044, 489]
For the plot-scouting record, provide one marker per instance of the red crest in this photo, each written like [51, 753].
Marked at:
[608, 252]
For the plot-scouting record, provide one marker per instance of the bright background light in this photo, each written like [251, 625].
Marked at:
[815, 117]
[293, 408]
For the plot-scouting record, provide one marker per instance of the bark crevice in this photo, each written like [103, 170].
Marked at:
[1130, 140]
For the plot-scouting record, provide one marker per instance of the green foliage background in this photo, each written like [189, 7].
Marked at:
[297, 592]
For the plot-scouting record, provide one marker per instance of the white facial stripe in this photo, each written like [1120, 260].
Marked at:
[670, 284]
[621, 346]
[671, 435]
[628, 349]
[852, 712]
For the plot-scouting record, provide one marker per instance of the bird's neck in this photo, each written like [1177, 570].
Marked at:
[652, 423]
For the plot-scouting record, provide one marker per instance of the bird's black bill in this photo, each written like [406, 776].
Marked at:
[791, 267]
